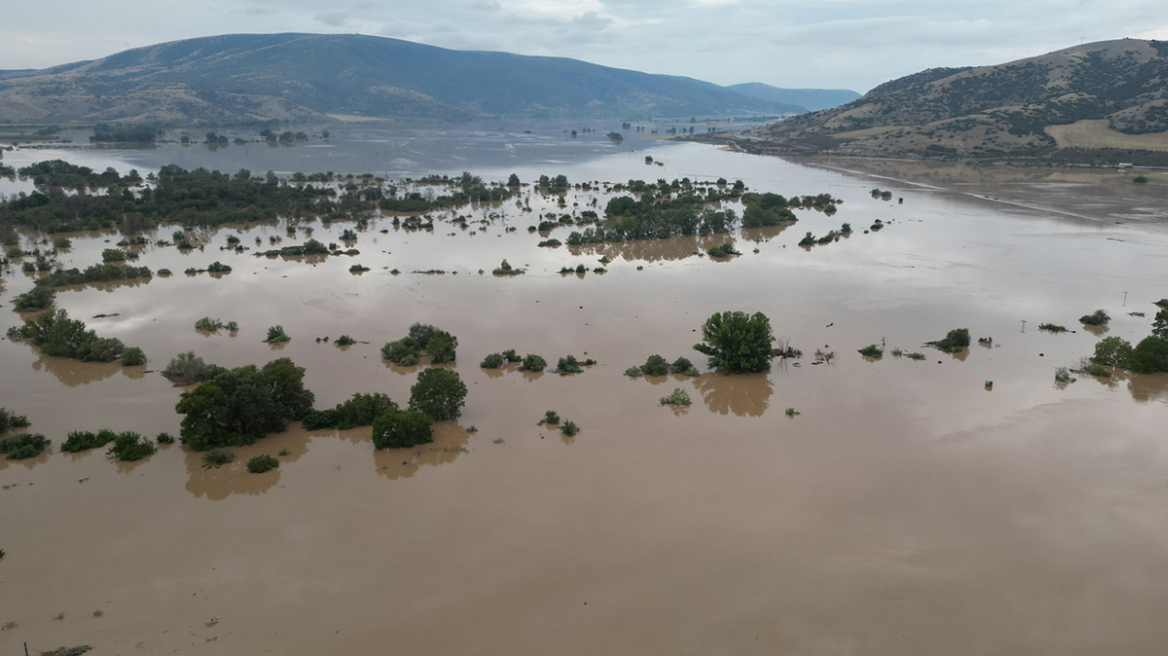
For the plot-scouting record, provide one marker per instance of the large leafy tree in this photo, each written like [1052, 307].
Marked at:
[737, 343]
[439, 393]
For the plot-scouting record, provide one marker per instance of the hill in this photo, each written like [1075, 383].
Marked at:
[810, 99]
[302, 77]
[1095, 99]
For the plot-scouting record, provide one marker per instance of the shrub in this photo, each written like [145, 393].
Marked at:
[511, 356]
[505, 269]
[1096, 318]
[217, 458]
[40, 298]
[550, 417]
[1062, 375]
[208, 324]
[360, 410]
[1113, 351]
[62, 243]
[569, 428]
[403, 352]
[1052, 328]
[190, 368]
[218, 267]
[737, 343]
[399, 429]
[807, 240]
[244, 404]
[722, 250]
[345, 340]
[872, 351]
[357, 268]
[133, 356]
[23, 445]
[957, 339]
[262, 463]
[9, 419]
[1160, 324]
[633, 372]
[678, 397]
[791, 412]
[276, 335]
[232, 327]
[439, 393]
[164, 438]
[113, 255]
[164, 272]
[568, 365]
[655, 366]
[533, 362]
[78, 441]
[683, 366]
[1140, 179]
[1150, 355]
[916, 356]
[1098, 370]
[130, 446]
[493, 361]
[897, 352]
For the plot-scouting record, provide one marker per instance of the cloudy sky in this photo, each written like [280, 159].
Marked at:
[854, 44]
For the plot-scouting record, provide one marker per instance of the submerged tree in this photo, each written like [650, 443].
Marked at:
[737, 342]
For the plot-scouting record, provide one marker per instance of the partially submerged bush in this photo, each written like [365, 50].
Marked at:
[1052, 328]
[872, 351]
[133, 357]
[9, 419]
[113, 255]
[399, 429]
[493, 361]
[164, 438]
[678, 397]
[439, 393]
[345, 340]
[58, 335]
[129, 446]
[1096, 318]
[39, 298]
[568, 365]
[207, 324]
[533, 362]
[403, 352]
[1150, 355]
[189, 368]
[262, 463]
[505, 269]
[655, 366]
[633, 372]
[78, 441]
[1062, 375]
[915, 356]
[511, 356]
[440, 345]
[722, 251]
[23, 445]
[550, 417]
[217, 458]
[276, 335]
[957, 339]
[683, 366]
[569, 428]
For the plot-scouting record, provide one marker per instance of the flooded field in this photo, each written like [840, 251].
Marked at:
[908, 508]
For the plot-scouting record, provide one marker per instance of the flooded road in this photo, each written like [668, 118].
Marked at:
[905, 510]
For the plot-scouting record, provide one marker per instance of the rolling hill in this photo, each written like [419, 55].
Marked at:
[304, 77]
[1105, 96]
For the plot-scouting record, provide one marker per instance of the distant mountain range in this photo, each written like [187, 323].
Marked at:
[244, 78]
[811, 99]
[1103, 97]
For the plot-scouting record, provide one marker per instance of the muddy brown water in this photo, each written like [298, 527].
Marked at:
[905, 510]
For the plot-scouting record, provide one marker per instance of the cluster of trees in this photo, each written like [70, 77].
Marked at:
[23, 445]
[656, 365]
[1148, 357]
[119, 133]
[657, 224]
[438, 344]
[96, 273]
[9, 420]
[242, 405]
[55, 334]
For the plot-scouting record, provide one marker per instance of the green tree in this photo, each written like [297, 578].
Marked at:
[1113, 351]
[737, 342]
[1150, 355]
[1160, 324]
[441, 347]
[439, 393]
[399, 429]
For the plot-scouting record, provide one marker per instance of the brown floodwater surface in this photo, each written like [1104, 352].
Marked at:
[906, 508]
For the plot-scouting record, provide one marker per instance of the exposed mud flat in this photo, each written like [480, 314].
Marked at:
[906, 509]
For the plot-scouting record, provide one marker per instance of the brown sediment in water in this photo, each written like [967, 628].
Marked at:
[904, 510]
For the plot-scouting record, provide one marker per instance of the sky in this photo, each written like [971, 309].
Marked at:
[851, 44]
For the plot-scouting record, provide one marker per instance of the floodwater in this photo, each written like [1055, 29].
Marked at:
[907, 509]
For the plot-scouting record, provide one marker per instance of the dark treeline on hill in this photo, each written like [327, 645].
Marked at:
[207, 198]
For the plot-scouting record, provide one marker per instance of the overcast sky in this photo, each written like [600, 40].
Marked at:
[853, 44]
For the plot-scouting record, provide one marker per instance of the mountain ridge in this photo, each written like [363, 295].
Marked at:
[304, 77]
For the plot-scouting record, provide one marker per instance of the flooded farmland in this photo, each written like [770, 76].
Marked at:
[908, 508]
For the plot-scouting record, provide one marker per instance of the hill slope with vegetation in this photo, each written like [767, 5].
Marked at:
[302, 77]
[1106, 95]
[809, 99]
